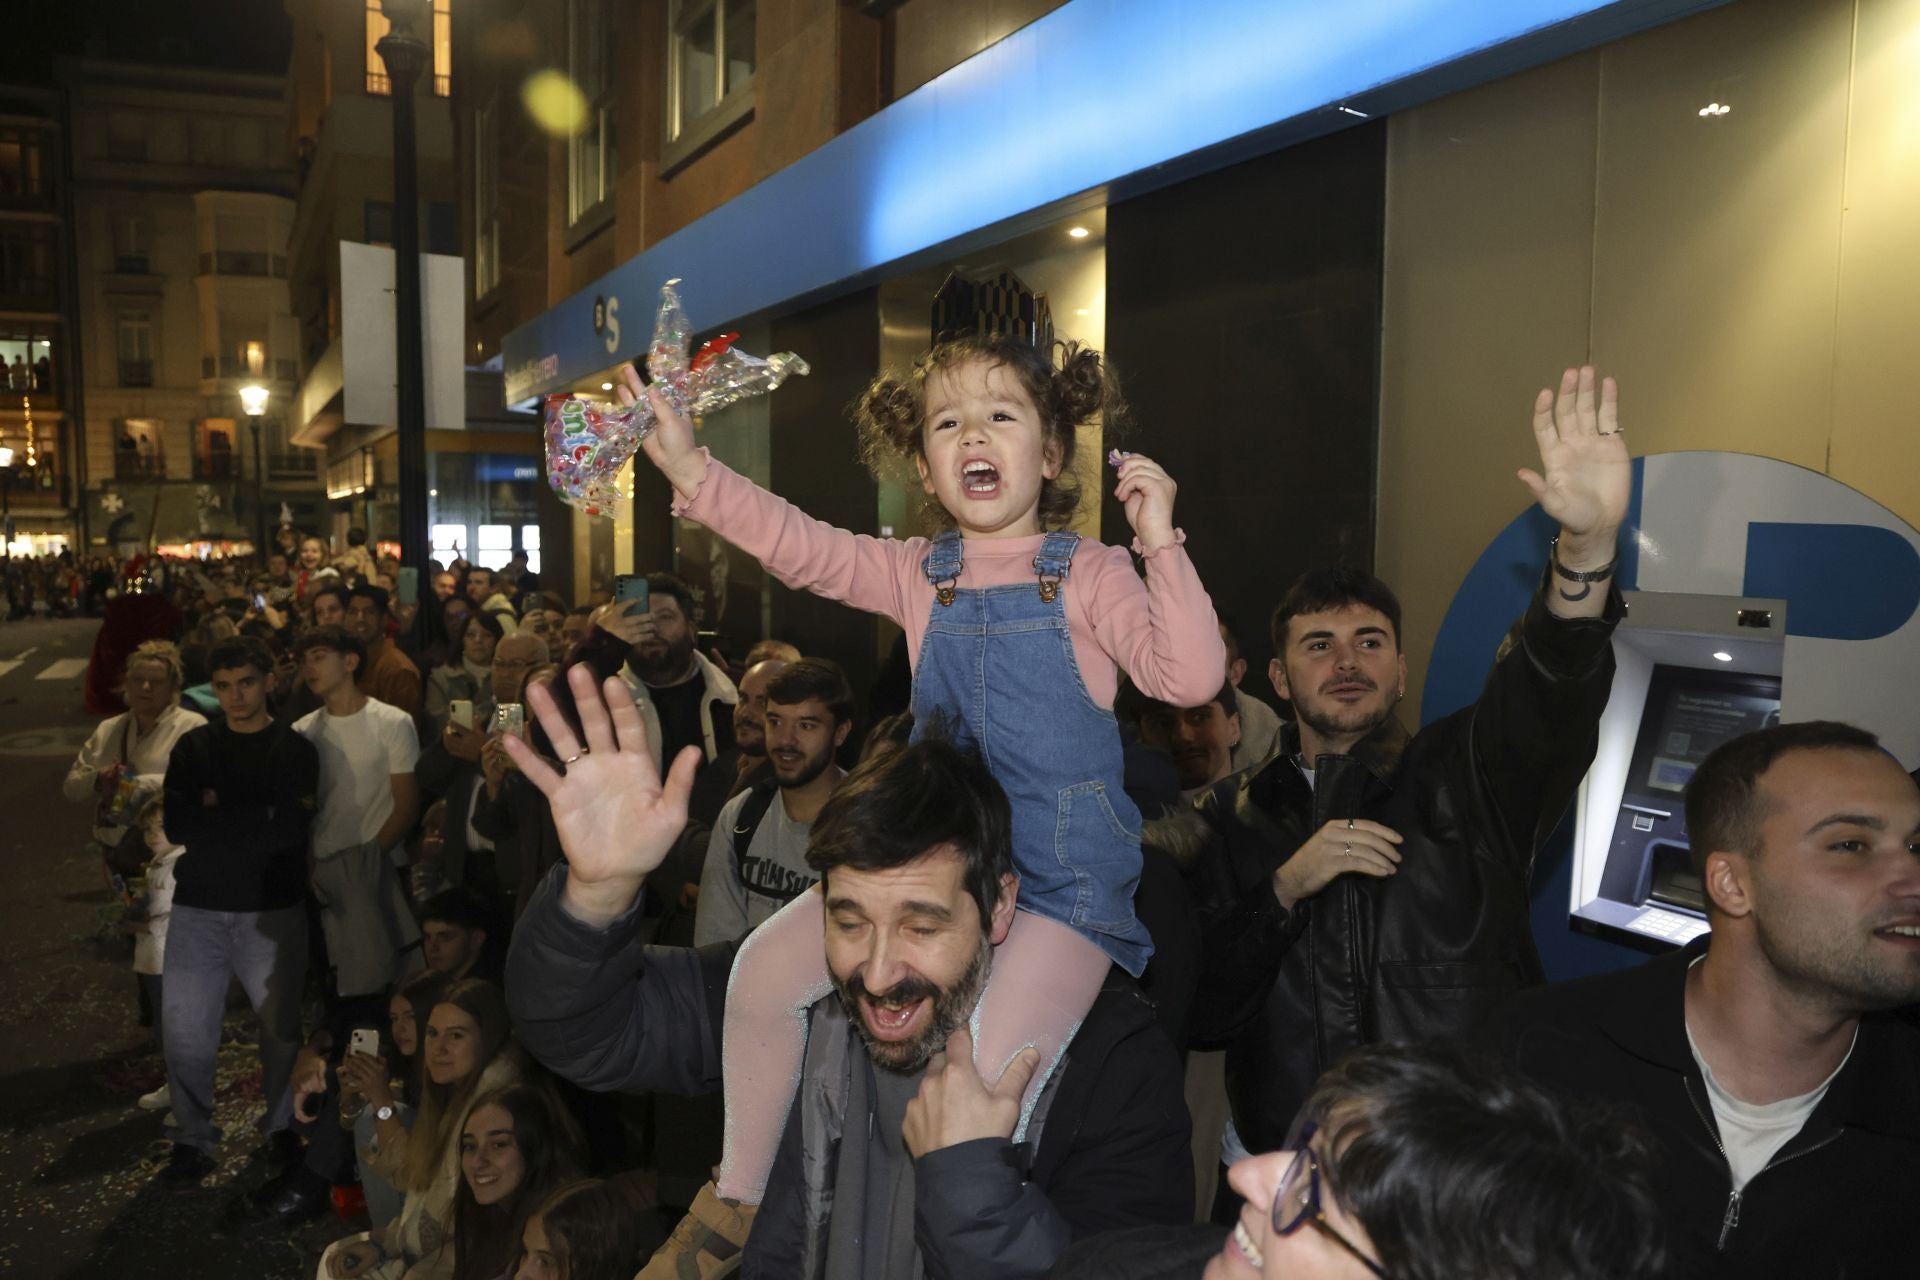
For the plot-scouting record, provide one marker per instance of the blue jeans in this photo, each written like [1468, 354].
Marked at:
[267, 952]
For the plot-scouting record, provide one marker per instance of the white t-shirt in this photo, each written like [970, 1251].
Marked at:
[1752, 1132]
[358, 755]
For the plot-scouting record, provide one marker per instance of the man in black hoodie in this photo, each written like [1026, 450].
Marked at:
[1775, 1059]
[240, 796]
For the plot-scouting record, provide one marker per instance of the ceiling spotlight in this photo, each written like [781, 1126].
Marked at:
[606, 386]
[1078, 233]
[1721, 655]
[1715, 109]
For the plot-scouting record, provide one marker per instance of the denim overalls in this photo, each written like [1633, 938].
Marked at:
[997, 670]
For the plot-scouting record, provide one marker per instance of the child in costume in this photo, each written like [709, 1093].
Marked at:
[1018, 632]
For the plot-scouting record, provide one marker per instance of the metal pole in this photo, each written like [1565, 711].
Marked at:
[6, 512]
[405, 54]
[259, 498]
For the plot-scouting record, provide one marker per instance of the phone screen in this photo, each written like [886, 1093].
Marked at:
[259, 599]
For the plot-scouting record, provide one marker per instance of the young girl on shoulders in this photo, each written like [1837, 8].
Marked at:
[1017, 631]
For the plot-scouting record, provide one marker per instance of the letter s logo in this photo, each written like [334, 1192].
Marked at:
[613, 325]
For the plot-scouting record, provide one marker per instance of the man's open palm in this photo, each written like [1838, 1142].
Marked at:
[616, 819]
[1586, 475]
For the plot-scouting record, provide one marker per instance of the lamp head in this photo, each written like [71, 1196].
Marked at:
[253, 400]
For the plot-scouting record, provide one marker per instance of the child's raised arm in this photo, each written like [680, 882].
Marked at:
[866, 572]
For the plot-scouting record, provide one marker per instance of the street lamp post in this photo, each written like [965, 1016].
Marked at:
[405, 54]
[254, 401]
[6, 502]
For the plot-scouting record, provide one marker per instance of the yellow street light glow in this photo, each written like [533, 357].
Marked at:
[1078, 233]
[555, 103]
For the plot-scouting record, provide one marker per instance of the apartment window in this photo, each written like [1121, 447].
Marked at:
[590, 156]
[242, 246]
[22, 165]
[440, 38]
[135, 345]
[126, 136]
[443, 228]
[209, 141]
[486, 197]
[26, 259]
[711, 74]
[140, 451]
[243, 345]
[130, 243]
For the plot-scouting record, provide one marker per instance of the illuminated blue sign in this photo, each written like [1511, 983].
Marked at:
[1099, 100]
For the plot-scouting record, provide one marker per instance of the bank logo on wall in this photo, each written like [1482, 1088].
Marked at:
[606, 322]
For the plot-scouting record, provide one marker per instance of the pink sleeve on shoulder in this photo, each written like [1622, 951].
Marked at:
[854, 568]
[1162, 632]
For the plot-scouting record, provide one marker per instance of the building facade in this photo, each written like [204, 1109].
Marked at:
[181, 213]
[39, 385]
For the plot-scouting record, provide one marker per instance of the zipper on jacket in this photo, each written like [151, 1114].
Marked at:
[1730, 1220]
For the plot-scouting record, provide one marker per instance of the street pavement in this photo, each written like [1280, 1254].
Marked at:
[76, 1156]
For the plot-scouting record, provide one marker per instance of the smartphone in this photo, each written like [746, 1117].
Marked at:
[259, 599]
[365, 1040]
[406, 587]
[509, 718]
[460, 712]
[631, 586]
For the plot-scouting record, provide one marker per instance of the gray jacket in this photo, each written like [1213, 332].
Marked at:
[364, 913]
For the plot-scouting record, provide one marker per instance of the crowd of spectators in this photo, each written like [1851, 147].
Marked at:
[481, 859]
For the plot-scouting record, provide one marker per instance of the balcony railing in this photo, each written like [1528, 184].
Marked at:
[216, 466]
[130, 464]
[293, 466]
[136, 373]
[131, 264]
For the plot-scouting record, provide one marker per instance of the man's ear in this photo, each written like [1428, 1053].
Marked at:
[1277, 672]
[1003, 909]
[1403, 677]
[1236, 672]
[840, 734]
[1726, 883]
[1233, 730]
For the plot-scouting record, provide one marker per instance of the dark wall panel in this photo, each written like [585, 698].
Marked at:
[1243, 314]
[816, 465]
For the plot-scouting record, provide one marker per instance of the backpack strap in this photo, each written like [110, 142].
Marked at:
[752, 813]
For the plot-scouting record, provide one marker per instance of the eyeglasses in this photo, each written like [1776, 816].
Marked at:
[1298, 1199]
[149, 682]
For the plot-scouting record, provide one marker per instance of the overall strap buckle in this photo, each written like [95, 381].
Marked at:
[1054, 562]
[943, 565]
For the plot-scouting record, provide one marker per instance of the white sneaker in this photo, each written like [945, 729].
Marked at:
[159, 1100]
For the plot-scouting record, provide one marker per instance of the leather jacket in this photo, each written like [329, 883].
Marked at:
[1430, 950]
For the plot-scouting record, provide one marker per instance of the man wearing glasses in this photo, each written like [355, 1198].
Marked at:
[1422, 1161]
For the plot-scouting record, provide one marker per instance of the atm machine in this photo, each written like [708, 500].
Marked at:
[1692, 671]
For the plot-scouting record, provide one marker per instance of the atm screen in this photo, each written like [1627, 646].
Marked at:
[1689, 713]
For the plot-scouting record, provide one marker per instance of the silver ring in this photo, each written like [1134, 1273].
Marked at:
[1348, 853]
[1349, 824]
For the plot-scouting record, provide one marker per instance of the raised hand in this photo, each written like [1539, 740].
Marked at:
[1146, 491]
[670, 445]
[617, 820]
[1586, 476]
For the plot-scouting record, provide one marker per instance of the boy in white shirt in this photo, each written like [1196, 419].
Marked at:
[368, 802]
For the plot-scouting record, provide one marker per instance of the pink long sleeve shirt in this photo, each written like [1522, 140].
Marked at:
[1162, 631]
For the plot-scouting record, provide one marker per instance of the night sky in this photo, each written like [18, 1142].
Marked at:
[232, 35]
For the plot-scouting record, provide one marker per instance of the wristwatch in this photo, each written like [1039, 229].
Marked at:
[384, 1113]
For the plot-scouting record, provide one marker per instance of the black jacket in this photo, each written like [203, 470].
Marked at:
[599, 1009]
[1834, 1202]
[1437, 946]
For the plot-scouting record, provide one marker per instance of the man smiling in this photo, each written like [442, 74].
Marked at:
[896, 1159]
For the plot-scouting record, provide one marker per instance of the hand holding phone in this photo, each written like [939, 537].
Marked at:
[364, 1040]
[460, 712]
[509, 720]
[632, 586]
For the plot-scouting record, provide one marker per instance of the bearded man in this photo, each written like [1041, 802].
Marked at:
[1365, 886]
[897, 1159]
[685, 700]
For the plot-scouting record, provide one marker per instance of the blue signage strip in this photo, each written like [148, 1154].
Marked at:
[1100, 99]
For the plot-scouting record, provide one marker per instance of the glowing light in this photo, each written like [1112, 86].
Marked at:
[1721, 655]
[1715, 109]
[606, 386]
[1078, 233]
[253, 400]
[555, 103]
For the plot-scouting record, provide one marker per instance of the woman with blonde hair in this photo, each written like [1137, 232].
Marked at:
[468, 1053]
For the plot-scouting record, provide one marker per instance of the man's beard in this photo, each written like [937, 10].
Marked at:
[659, 666]
[951, 1009]
[809, 769]
[1336, 722]
[1813, 959]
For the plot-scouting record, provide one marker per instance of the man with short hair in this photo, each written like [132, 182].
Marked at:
[757, 858]
[1259, 723]
[240, 795]
[1364, 886]
[329, 605]
[484, 591]
[513, 657]
[1775, 1058]
[683, 698]
[897, 1160]
[574, 627]
[745, 762]
[368, 803]
[443, 585]
[387, 674]
[1200, 740]
[453, 935]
